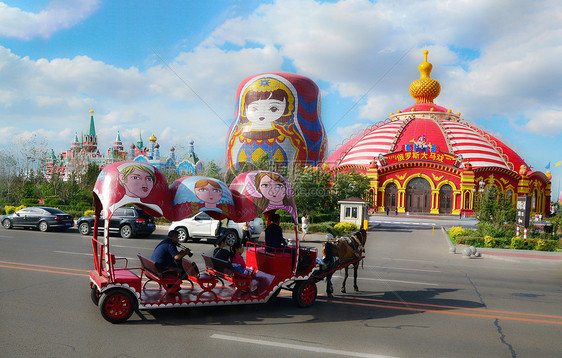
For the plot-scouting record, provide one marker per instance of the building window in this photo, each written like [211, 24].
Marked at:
[350, 212]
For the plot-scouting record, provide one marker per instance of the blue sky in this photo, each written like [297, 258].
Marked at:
[498, 63]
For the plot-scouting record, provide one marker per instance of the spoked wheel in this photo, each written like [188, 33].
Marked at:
[304, 293]
[43, 226]
[126, 231]
[95, 295]
[183, 235]
[84, 228]
[7, 224]
[231, 237]
[116, 306]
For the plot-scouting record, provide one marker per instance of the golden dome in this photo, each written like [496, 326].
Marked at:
[92, 111]
[425, 89]
[152, 138]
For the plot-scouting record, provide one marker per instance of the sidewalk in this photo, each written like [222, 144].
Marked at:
[522, 255]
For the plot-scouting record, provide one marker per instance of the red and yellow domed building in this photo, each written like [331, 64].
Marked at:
[427, 159]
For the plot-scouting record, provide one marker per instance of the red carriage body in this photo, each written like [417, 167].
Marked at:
[120, 288]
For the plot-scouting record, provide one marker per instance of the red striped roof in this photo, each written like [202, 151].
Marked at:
[447, 131]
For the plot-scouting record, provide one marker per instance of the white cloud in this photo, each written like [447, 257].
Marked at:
[59, 15]
[492, 59]
[550, 119]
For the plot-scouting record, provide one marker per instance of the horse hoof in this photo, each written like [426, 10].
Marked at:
[330, 295]
[343, 290]
[356, 289]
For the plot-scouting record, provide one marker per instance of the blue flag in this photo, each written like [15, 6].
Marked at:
[548, 166]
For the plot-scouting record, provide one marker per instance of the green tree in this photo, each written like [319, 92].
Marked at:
[350, 183]
[312, 189]
[495, 208]
[213, 170]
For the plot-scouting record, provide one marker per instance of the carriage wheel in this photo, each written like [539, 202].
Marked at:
[304, 293]
[116, 306]
[95, 295]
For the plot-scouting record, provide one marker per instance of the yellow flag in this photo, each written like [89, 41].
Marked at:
[558, 164]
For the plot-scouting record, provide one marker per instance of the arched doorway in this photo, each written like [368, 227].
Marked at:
[445, 199]
[391, 197]
[418, 196]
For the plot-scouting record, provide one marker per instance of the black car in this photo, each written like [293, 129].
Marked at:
[41, 218]
[126, 221]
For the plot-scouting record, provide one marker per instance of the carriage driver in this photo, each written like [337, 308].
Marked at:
[166, 254]
[274, 233]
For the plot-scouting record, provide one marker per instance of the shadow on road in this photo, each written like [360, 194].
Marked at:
[281, 310]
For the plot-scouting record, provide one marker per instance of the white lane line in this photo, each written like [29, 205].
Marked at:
[407, 260]
[298, 347]
[72, 253]
[397, 281]
[133, 247]
[401, 268]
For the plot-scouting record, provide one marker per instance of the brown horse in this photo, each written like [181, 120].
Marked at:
[341, 250]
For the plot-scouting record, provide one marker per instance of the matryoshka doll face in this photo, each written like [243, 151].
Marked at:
[138, 184]
[272, 190]
[262, 112]
[209, 194]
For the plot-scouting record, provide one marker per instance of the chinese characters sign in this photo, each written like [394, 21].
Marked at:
[523, 211]
[404, 156]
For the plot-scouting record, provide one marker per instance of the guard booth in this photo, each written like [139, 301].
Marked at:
[354, 210]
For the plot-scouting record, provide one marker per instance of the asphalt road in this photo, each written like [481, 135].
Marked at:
[415, 300]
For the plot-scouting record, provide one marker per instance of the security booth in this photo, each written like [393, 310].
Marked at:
[354, 210]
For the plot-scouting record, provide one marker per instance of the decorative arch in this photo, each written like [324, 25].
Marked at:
[446, 197]
[419, 198]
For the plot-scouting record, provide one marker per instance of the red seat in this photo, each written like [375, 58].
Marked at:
[206, 281]
[169, 280]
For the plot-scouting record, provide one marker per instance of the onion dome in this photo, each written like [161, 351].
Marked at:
[430, 127]
[152, 138]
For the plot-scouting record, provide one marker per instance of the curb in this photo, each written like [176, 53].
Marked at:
[519, 256]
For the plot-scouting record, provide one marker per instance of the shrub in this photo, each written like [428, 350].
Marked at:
[89, 212]
[546, 245]
[20, 207]
[489, 241]
[287, 226]
[29, 201]
[321, 227]
[457, 231]
[345, 228]
[9, 209]
[54, 202]
[516, 243]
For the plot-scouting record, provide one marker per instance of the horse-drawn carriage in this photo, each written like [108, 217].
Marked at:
[119, 289]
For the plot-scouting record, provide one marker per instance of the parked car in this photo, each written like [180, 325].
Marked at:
[126, 221]
[42, 218]
[202, 226]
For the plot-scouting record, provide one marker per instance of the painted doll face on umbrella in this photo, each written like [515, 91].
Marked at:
[138, 183]
[263, 112]
[272, 190]
[208, 192]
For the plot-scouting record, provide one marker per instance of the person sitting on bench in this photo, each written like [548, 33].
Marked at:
[166, 254]
[220, 252]
[274, 234]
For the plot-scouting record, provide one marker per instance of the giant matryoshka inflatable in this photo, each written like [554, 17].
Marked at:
[277, 114]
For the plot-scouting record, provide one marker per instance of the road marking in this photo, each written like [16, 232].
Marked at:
[298, 347]
[397, 281]
[43, 268]
[72, 253]
[442, 309]
[402, 223]
[400, 268]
